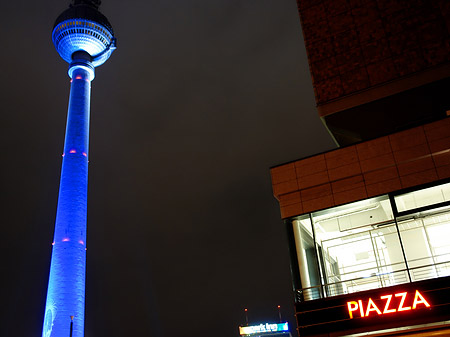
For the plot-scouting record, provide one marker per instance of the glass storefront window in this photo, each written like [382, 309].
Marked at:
[425, 238]
[362, 246]
[422, 198]
[307, 259]
[359, 247]
[352, 218]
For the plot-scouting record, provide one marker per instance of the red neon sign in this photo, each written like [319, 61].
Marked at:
[365, 309]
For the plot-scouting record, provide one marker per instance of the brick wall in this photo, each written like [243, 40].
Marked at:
[356, 44]
[404, 159]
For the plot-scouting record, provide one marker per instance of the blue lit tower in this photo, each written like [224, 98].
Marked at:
[84, 38]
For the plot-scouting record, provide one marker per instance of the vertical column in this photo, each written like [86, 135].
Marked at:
[66, 287]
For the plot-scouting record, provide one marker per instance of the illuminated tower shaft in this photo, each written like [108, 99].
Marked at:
[84, 38]
[66, 288]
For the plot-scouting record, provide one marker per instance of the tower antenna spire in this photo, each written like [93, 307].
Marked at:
[93, 3]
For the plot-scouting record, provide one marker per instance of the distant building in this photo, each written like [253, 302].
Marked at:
[369, 223]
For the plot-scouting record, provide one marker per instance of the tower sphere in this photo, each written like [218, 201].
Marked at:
[82, 28]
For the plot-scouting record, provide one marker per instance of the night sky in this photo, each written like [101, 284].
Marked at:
[199, 100]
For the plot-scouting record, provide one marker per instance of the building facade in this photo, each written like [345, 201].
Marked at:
[368, 58]
[369, 223]
[369, 220]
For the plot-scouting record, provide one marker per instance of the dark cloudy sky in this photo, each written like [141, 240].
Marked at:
[199, 100]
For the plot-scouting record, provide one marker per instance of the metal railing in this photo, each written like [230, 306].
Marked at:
[376, 280]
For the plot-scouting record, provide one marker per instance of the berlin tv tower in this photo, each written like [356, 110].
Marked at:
[85, 39]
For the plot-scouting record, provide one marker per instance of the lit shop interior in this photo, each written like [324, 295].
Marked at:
[373, 243]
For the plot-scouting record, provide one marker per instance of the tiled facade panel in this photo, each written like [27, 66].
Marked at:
[404, 159]
[356, 44]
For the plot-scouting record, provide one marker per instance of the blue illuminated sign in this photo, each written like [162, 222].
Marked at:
[262, 328]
